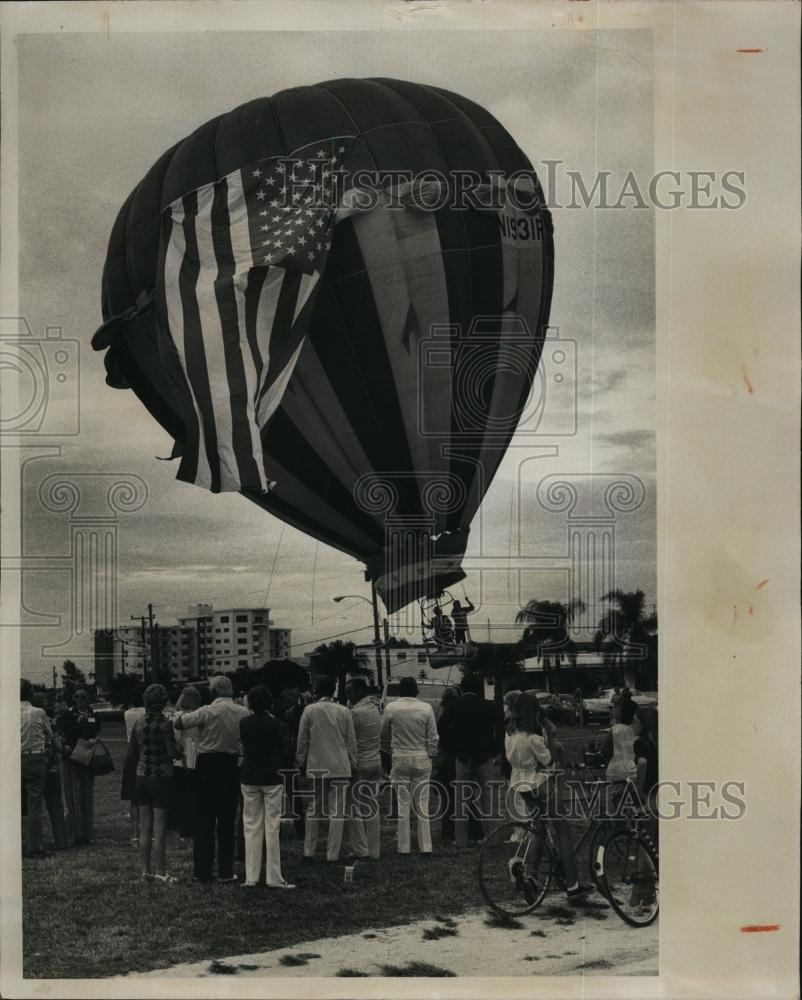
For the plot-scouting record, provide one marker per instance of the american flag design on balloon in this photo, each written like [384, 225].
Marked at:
[241, 262]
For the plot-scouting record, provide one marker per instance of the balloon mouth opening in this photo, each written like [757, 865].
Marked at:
[406, 570]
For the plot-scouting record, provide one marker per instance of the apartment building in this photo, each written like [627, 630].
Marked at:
[205, 641]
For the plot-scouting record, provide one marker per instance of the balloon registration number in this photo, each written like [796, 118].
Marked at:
[521, 228]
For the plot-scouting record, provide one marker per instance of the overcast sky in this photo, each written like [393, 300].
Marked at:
[96, 112]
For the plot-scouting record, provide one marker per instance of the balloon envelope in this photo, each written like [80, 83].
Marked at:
[362, 380]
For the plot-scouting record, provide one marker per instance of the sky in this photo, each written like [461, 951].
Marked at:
[97, 111]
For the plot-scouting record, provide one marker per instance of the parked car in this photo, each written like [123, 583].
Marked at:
[597, 710]
[568, 715]
[549, 705]
[641, 700]
[600, 709]
[106, 712]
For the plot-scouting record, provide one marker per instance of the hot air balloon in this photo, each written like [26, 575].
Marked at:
[334, 300]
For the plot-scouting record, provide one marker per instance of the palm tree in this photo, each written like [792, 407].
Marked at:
[546, 632]
[626, 632]
[337, 659]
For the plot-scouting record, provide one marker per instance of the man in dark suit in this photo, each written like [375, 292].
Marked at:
[474, 735]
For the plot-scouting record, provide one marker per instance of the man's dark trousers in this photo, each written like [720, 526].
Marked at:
[217, 788]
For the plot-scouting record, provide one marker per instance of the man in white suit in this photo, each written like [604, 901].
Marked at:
[327, 750]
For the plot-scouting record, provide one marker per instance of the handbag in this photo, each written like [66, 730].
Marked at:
[100, 762]
[81, 753]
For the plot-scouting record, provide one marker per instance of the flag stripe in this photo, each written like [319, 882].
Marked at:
[239, 274]
[195, 363]
[251, 360]
[280, 332]
[254, 283]
[265, 316]
[248, 458]
[194, 464]
[212, 336]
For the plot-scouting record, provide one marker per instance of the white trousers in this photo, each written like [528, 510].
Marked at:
[329, 797]
[261, 824]
[410, 777]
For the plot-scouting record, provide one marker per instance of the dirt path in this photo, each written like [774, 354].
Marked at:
[558, 941]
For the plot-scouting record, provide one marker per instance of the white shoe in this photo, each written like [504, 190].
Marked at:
[280, 885]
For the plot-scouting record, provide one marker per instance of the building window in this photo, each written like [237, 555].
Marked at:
[242, 628]
[224, 618]
[241, 618]
[421, 657]
[258, 618]
[401, 656]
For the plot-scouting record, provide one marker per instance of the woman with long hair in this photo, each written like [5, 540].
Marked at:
[620, 744]
[131, 716]
[152, 739]
[184, 791]
[528, 754]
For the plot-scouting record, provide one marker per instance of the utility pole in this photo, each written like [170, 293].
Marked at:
[201, 665]
[377, 642]
[141, 620]
[387, 647]
[154, 672]
[54, 687]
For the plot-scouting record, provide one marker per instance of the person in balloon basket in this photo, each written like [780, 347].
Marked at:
[327, 749]
[410, 730]
[79, 723]
[459, 615]
[216, 780]
[265, 746]
[442, 628]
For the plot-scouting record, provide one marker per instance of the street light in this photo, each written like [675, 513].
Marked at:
[377, 642]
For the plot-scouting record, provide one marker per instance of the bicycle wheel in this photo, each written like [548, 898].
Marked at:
[514, 870]
[629, 871]
[595, 859]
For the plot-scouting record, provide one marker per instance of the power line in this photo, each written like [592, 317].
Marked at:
[326, 637]
[272, 568]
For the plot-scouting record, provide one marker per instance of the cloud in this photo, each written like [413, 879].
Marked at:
[602, 383]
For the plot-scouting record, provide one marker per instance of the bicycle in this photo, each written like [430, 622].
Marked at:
[628, 871]
[520, 863]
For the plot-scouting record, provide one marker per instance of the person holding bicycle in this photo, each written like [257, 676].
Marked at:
[528, 754]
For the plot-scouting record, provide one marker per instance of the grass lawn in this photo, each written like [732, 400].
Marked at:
[87, 912]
